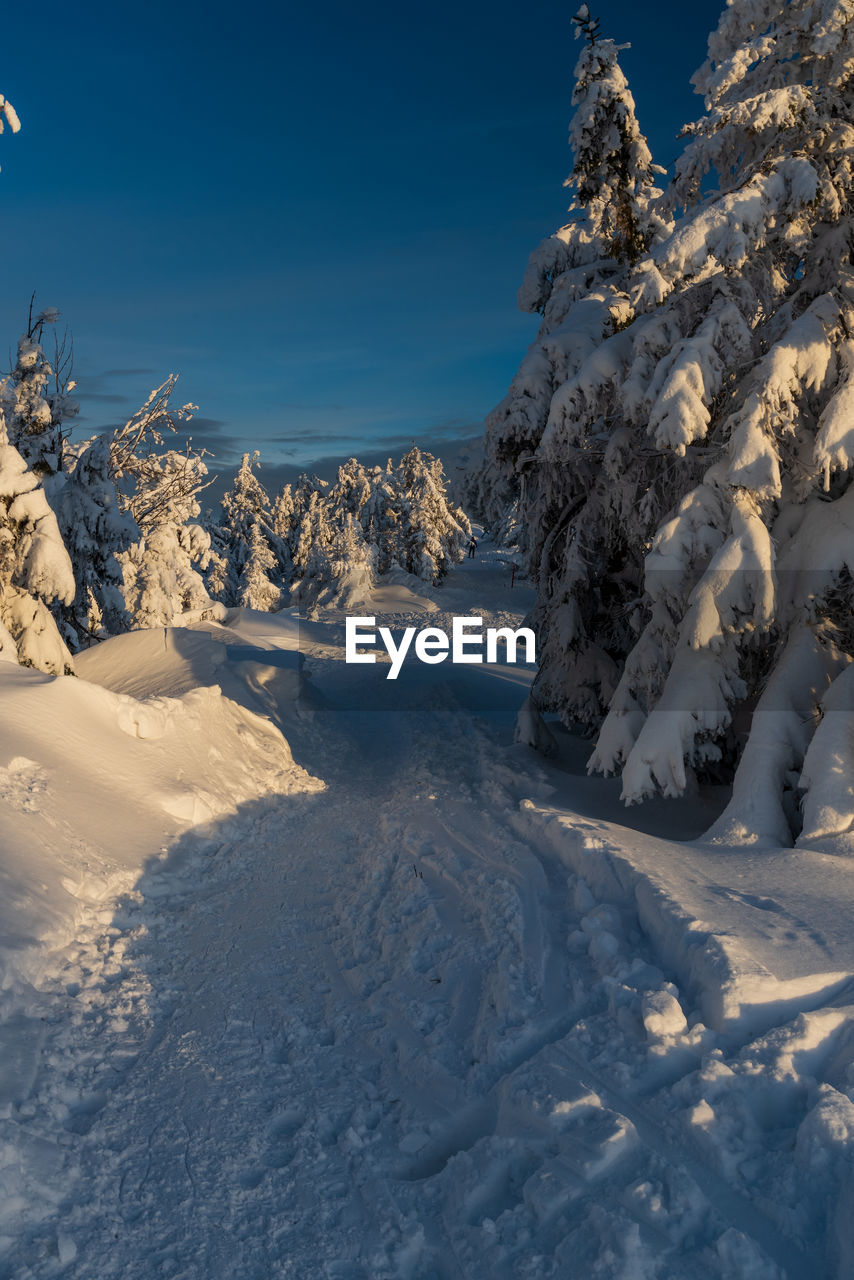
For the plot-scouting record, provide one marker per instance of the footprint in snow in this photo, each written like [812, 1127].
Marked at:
[280, 1150]
[83, 1114]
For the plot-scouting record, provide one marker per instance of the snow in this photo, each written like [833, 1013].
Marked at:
[390, 995]
[827, 773]
[89, 765]
[10, 115]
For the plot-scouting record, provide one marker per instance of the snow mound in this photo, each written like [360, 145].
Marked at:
[254, 661]
[168, 662]
[94, 782]
[748, 957]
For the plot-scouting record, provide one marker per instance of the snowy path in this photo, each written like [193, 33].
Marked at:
[377, 1032]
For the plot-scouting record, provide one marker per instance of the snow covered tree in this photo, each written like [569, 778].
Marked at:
[306, 486]
[281, 533]
[8, 116]
[380, 517]
[283, 522]
[314, 532]
[719, 410]
[163, 581]
[156, 488]
[351, 492]
[283, 514]
[339, 568]
[96, 532]
[432, 532]
[255, 551]
[36, 397]
[219, 575]
[613, 176]
[163, 585]
[574, 277]
[34, 569]
[255, 590]
[246, 502]
[759, 275]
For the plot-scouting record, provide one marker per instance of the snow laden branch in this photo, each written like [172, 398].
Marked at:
[8, 115]
[153, 482]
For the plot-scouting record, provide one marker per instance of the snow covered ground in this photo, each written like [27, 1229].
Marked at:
[388, 997]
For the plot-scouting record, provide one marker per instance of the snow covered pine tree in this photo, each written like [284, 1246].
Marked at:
[432, 532]
[573, 276]
[578, 527]
[36, 397]
[336, 565]
[96, 533]
[283, 519]
[734, 363]
[34, 569]
[78, 484]
[248, 526]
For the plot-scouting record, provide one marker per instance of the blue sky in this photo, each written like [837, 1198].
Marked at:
[317, 215]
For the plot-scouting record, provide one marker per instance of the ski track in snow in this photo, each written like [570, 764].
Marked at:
[375, 1033]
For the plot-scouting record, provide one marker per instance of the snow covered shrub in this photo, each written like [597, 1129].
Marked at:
[34, 569]
[694, 410]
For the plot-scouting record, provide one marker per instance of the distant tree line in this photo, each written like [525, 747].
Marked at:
[105, 536]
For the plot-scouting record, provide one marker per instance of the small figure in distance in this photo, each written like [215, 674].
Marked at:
[472, 547]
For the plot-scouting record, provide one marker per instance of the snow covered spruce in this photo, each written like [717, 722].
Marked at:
[35, 569]
[679, 437]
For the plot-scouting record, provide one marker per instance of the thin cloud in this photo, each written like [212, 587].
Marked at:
[307, 437]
